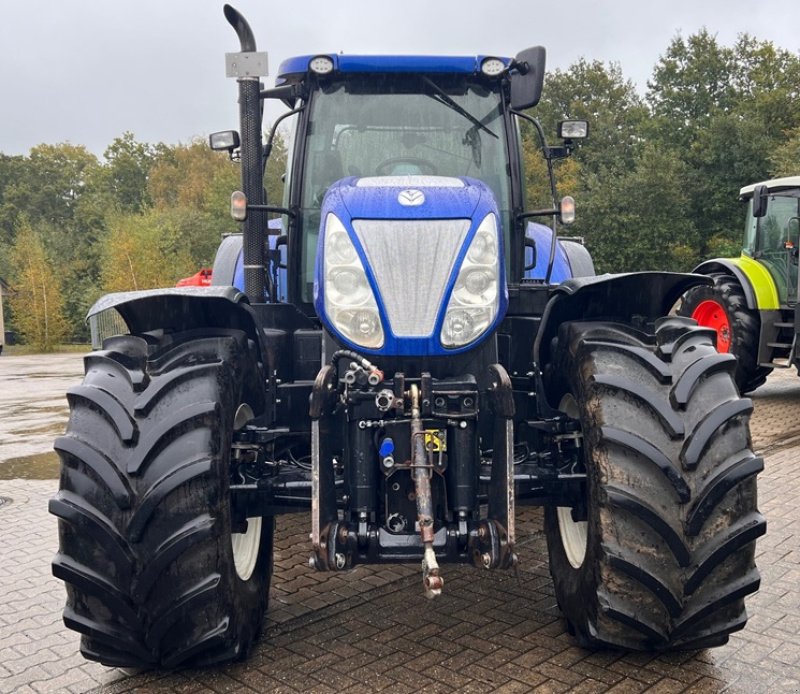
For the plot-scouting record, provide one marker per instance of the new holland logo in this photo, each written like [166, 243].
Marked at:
[411, 197]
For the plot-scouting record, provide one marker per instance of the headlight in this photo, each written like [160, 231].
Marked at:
[349, 302]
[476, 293]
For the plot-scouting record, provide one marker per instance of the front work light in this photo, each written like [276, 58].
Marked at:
[492, 67]
[227, 140]
[573, 129]
[321, 65]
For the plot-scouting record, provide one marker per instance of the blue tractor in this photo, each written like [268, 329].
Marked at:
[409, 356]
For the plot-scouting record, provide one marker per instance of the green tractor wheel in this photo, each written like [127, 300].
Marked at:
[158, 571]
[662, 552]
[723, 308]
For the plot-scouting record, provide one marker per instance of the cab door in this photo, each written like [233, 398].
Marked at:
[779, 232]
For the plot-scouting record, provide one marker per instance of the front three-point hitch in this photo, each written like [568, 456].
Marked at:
[405, 455]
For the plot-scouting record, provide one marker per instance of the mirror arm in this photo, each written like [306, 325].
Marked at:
[285, 92]
[545, 151]
[273, 208]
[271, 139]
[537, 213]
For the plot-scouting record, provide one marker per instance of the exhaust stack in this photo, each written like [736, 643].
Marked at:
[248, 66]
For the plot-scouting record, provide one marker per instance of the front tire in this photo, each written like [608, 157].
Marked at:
[154, 577]
[723, 308]
[670, 510]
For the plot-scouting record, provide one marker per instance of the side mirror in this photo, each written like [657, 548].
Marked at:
[527, 77]
[760, 196]
[225, 141]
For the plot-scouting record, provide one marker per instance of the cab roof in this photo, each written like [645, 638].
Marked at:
[294, 69]
[773, 184]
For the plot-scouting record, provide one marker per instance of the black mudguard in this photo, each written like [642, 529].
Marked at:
[181, 308]
[631, 298]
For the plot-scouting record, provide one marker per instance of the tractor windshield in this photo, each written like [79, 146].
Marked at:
[391, 125]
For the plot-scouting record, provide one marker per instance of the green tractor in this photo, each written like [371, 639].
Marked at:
[752, 304]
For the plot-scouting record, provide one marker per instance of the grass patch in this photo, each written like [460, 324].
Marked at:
[20, 350]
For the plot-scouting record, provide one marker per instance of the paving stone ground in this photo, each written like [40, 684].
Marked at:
[371, 629]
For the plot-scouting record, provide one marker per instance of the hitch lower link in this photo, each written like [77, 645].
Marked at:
[491, 541]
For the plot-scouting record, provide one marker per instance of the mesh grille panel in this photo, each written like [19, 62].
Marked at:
[412, 261]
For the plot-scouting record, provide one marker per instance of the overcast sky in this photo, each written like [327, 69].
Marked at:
[85, 71]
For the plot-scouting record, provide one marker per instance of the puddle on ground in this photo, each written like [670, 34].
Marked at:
[47, 409]
[49, 430]
[43, 466]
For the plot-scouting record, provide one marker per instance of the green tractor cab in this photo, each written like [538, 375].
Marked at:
[752, 304]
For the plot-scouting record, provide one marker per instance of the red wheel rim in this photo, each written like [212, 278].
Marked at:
[710, 314]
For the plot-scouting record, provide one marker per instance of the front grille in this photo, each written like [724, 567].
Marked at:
[412, 261]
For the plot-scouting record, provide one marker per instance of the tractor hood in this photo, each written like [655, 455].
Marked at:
[410, 265]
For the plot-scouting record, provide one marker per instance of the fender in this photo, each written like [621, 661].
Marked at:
[187, 308]
[643, 296]
[757, 284]
[180, 308]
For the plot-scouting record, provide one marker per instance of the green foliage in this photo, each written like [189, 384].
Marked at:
[601, 95]
[36, 299]
[785, 159]
[640, 220]
[144, 251]
[726, 112]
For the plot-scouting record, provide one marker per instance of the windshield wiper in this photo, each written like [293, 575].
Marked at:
[443, 98]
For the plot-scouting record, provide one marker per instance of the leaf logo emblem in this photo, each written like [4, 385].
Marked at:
[411, 198]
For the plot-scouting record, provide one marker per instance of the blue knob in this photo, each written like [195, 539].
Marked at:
[387, 447]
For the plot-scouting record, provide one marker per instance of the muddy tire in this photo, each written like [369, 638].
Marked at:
[145, 519]
[666, 555]
[723, 307]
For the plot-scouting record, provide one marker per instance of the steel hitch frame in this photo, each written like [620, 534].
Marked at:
[324, 526]
[489, 543]
[493, 543]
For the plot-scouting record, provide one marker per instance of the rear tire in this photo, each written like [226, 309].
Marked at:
[144, 507]
[723, 307]
[669, 545]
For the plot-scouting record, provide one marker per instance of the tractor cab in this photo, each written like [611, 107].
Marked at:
[772, 232]
[410, 123]
[381, 127]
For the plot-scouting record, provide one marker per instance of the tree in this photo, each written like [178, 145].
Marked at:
[785, 159]
[51, 182]
[599, 94]
[723, 111]
[37, 299]
[144, 251]
[126, 171]
[691, 82]
[640, 220]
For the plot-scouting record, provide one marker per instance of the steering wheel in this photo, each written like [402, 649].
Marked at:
[426, 167]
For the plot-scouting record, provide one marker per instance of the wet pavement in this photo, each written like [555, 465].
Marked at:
[371, 629]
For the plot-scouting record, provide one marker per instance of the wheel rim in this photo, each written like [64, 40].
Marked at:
[245, 548]
[247, 544]
[574, 534]
[711, 314]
